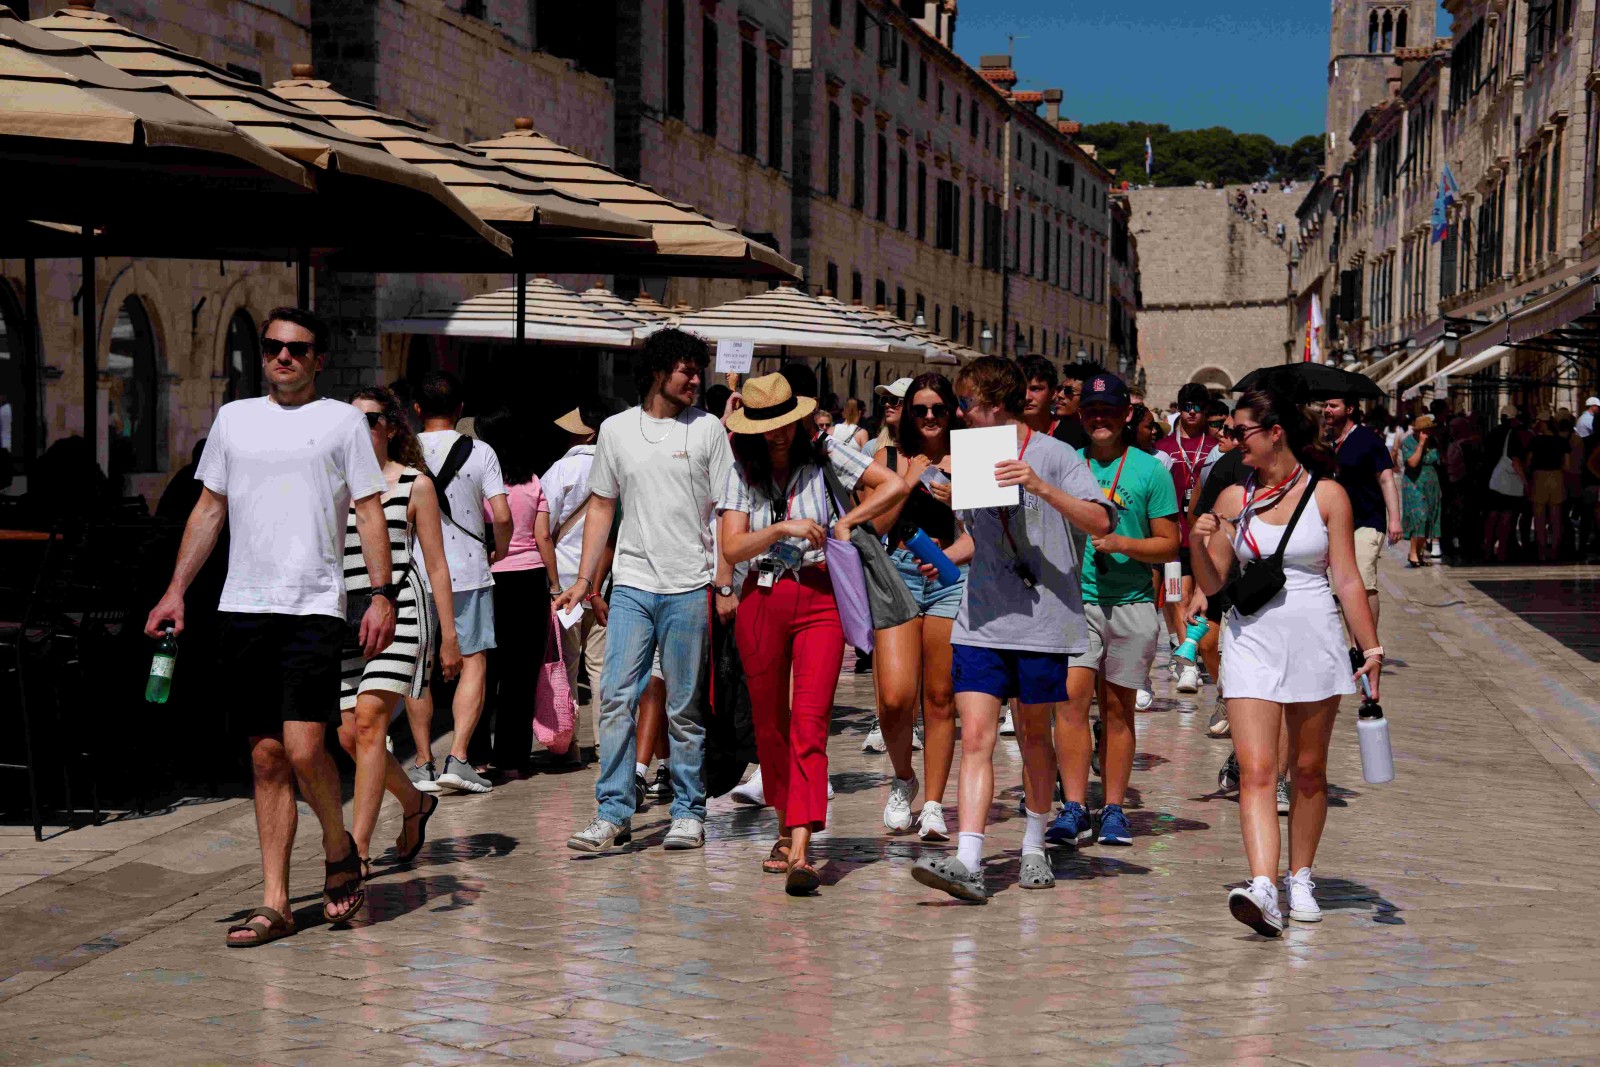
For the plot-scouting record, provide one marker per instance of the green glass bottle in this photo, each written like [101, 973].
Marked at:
[162, 664]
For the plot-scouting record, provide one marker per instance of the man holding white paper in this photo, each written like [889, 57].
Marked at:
[1021, 619]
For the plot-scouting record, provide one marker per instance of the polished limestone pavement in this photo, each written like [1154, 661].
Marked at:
[1459, 904]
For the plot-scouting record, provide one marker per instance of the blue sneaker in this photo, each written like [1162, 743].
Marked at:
[1114, 828]
[1071, 827]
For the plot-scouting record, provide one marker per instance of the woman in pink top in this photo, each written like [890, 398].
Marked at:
[522, 589]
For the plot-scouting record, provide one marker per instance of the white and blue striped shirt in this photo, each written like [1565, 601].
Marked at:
[805, 497]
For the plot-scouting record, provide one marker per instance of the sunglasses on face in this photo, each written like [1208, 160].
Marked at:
[925, 411]
[964, 404]
[271, 346]
[1192, 409]
[1218, 424]
[373, 418]
[1241, 434]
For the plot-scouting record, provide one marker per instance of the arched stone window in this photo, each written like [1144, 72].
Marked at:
[1372, 32]
[242, 357]
[135, 442]
[1400, 30]
[1388, 31]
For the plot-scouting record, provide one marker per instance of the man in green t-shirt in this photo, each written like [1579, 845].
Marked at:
[1119, 607]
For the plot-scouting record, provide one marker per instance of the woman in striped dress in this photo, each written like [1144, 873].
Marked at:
[370, 689]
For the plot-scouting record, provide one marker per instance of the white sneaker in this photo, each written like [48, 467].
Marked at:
[1143, 699]
[1283, 796]
[916, 739]
[897, 812]
[1303, 907]
[830, 788]
[930, 824]
[1188, 678]
[1257, 907]
[751, 792]
[1007, 727]
[1218, 726]
[874, 741]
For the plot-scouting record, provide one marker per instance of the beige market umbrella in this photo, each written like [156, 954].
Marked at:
[935, 350]
[553, 314]
[789, 323]
[620, 311]
[685, 242]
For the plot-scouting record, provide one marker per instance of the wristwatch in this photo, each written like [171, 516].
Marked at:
[724, 590]
[392, 591]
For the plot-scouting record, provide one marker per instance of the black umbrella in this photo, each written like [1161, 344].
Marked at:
[1323, 381]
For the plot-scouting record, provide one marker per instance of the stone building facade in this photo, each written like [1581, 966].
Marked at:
[1505, 102]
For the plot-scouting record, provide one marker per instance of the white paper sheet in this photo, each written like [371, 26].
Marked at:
[733, 357]
[973, 454]
[569, 618]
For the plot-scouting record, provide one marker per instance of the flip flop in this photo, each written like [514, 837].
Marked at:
[277, 927]
[351, 890]
[422, 830]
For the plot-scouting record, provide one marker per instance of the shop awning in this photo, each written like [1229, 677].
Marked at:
[1410, 366]
[1466, 365]
[1554, 311]
[1481, 340]
[554, 315]
[1382, 364]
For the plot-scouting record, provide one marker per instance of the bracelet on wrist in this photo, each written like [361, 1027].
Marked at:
[1373, 653]
[581, 578]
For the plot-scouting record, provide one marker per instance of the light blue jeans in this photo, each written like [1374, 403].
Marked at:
[641, 622]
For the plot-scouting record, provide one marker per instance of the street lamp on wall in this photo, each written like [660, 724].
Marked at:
[986, 340]
[921, 321]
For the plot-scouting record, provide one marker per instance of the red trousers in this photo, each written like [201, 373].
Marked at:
[792, 630]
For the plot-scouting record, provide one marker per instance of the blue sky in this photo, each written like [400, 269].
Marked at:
[1257, 66]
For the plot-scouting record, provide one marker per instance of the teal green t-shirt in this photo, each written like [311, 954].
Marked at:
[1143, 492]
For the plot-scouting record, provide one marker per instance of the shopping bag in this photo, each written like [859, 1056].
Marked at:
[554, 713]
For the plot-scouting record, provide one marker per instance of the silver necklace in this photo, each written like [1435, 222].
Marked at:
[646, 436]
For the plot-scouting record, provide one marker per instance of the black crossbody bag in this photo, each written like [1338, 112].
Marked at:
[1261, 580]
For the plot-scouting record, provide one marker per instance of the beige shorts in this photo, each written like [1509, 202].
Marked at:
[1369, 546]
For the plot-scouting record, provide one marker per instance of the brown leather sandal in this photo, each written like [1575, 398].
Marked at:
[276, 927]
[803, 879]
[777, 861]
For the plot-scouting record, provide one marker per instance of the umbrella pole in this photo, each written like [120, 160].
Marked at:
[91, 377]
[31, 362]
[522, 310]
[302, 282]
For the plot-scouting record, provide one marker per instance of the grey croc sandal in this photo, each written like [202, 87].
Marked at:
[1035, 873]
[949, 875]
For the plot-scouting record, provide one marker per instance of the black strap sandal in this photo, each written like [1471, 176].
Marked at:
[276, 927]
[350, 890]
[422, 814]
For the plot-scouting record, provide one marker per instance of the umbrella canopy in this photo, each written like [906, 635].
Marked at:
[1324, 382]
[620, 311]
[936, 350]
[789, 322]
[513, 203]
[89, 142]
[685, 242]
[554, 315]
[366, 198]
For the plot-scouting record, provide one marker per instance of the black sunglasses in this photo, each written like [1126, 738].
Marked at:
[1242, 433]
[373, 418]
[1217, 424]
[271, 346]
[1192, 409]
[923, 411]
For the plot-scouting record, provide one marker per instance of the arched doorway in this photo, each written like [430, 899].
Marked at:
[242, 357]
[134, 403]
[1215, 379]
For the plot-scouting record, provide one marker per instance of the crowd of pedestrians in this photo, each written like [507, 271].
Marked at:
[373, 547]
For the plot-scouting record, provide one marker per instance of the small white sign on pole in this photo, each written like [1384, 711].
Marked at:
[733, 357]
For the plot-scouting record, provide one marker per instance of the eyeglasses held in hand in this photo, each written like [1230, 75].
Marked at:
[271, 346]
[923, 411]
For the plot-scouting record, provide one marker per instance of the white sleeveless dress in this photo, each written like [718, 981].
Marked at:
[1292, 651]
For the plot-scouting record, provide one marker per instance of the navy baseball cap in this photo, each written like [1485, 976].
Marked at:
[1107, 390]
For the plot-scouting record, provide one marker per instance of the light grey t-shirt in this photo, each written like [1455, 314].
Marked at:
[997, 609]
[667, 475]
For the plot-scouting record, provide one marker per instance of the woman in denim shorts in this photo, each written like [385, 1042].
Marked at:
[916, 656]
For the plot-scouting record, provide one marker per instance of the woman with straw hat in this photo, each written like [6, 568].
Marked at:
[776, 508]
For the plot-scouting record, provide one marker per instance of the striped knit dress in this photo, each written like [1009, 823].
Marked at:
[403, 666]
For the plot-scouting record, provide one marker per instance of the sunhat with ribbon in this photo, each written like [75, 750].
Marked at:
[768, 404]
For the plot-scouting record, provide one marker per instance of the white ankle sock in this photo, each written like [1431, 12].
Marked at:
[969, 850]
[641, 768]
[1033, 835]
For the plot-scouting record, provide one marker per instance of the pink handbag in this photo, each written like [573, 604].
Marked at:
[554, 714]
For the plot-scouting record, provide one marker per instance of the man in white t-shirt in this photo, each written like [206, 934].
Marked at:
[470, 545]
[282, 470]
[566, 488]
[664, 462]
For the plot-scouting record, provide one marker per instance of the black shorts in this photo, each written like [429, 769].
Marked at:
[1185, 562]
[281, 668]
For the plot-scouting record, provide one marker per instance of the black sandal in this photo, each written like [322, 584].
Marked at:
[277, 927]
[350, 891]
[422, 830]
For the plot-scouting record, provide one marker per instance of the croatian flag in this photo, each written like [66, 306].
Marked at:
[1149, 157]
[1449, 193]
[1313, 348]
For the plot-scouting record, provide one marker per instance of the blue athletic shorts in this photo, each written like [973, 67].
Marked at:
[474, 620]
[933, 600]
[1031, 677]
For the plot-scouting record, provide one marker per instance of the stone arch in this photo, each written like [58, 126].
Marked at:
[1217, 380]
[254, 292]
[145, 317]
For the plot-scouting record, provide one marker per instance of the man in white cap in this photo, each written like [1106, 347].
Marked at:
[566, 487]
[890, 397]
[1586, 420]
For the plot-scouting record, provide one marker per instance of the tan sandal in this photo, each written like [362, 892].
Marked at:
[777, 861]
[277, 927]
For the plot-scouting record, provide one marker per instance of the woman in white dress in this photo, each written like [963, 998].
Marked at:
[1288, 660]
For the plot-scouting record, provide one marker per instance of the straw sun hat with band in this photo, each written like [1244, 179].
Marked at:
[769, 404]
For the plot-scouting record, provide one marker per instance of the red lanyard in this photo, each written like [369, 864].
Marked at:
[1111, 494]
[1260, 501]
[1199, 456]
[1053, 426]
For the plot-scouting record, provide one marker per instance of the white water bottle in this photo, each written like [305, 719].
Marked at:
[1372, 730]
[1172, 577]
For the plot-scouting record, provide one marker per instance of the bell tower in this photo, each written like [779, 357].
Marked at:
[1363, 38]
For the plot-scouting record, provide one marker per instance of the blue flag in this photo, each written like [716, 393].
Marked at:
[1449, 193]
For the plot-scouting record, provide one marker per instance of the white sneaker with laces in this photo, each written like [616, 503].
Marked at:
[1188, 678]
[1283, 796]
[1143, 699]
[1303, 907]
[916, 739]
[874, 741]
[897, 812]
[751, 792]
[1257, 907]
[1007, 727]
[930, 825]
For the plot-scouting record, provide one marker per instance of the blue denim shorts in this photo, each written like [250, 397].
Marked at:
[933, 600]
[474, 619]
[1031, 677]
